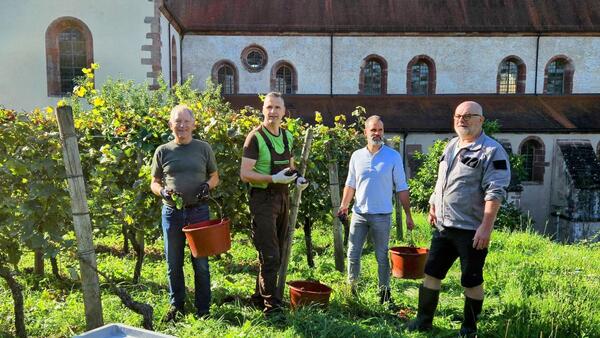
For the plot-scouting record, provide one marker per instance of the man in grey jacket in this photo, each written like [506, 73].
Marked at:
[473, 175]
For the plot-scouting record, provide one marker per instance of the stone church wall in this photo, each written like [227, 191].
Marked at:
[463, 64]
[118, 31]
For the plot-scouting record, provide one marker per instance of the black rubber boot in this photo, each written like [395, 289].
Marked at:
[174, 314]
[428, 300]
[385, 295]
[471, 314]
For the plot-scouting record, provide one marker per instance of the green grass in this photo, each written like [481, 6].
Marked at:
[534, 288]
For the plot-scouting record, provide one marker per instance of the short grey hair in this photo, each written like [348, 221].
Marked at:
[373, 118]
[274, 94]
[181, 108]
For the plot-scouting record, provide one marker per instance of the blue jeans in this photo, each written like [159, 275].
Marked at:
[379, 226]
[173, 221]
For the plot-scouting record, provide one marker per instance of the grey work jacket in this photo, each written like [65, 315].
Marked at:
[479, 172]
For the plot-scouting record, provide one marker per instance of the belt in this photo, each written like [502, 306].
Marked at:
[283, 189]
[191, 206]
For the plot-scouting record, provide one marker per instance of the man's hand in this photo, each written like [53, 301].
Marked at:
[481, 240]
[482, 237]
[166, 194]
[342, 214]
[301, 183]
[203, 192]
[343, 210]
[431, 217]
[409, 222]
[282, 178]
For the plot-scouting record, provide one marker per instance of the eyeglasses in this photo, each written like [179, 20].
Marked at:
[465, 117]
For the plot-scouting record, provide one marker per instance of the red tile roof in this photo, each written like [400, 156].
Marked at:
[385, 16]
[403, 113]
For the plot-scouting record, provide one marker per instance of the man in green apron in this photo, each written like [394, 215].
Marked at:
[268, 166]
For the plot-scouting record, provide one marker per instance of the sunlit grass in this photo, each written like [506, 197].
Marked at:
[534, 288]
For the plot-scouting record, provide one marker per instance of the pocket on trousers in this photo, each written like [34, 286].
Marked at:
[168, 211]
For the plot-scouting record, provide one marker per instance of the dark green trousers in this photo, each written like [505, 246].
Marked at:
[269, 209]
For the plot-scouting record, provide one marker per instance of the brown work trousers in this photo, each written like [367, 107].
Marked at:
[269, 209]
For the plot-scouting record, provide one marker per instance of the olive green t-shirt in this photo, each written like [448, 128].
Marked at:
[183, 167]
[257, 150]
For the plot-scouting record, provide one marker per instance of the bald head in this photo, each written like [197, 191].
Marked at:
[468, 120]
[471, 107]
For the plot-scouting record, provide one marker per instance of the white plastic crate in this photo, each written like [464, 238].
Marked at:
[121, 331]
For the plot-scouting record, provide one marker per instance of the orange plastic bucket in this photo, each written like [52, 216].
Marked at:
[408, 262]
[308, 292]
[208, 238]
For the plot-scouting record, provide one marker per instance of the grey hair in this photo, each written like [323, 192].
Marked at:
[373, 118]
[275, 94]
[180, 108]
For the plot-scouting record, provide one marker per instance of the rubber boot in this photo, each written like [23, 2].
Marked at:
[471, 314]
[174, 314]
[428, 300]
[385, 295]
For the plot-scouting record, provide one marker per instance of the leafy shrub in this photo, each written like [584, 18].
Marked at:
[423, 184]
[510, 217]
[34, 208]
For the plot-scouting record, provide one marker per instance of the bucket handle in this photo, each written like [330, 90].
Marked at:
[218, 206]
[411, 240]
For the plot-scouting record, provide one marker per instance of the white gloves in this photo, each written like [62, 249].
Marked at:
[282, 178]
[287, 176]
[301, 183]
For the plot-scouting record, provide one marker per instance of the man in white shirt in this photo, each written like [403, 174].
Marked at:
[374, 174]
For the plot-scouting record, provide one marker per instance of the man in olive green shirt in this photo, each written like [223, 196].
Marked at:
[185, 167]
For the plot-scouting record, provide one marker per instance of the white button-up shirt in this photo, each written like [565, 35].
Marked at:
[375, 177]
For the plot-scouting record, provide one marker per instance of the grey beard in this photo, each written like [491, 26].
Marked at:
[376, 142]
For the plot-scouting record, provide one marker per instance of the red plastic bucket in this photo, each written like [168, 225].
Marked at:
[408, 262]
[308, 292]
[208, 238]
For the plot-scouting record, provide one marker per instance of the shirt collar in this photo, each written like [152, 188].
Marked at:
[475, 145]
[375, 153]
[478, 143]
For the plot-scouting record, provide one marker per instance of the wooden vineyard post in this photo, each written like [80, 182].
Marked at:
[81, 219]
[399, 231]
[397, 203]
[295, 205]
[334, 188]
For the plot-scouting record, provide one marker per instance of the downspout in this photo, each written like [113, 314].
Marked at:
[537, 55]
[404, 136]
[554, 208]
[170, 56]
[181, 56]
